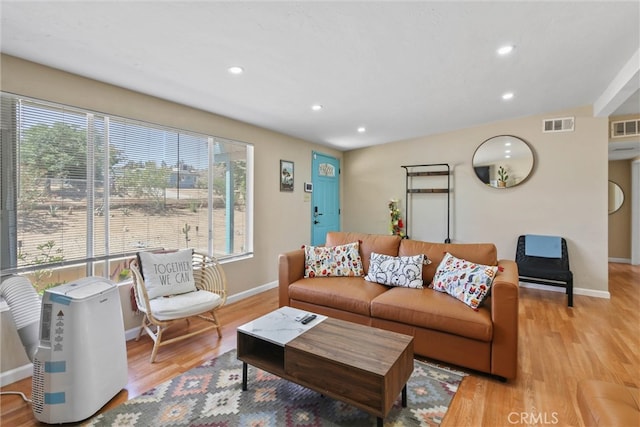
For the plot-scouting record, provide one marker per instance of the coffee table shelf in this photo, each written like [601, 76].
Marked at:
[261, 354]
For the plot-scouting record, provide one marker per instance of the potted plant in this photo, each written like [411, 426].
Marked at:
[502, 177]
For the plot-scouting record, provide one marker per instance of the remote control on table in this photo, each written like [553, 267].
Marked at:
[308, 319]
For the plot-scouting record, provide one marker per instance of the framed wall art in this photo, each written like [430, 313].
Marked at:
[286, 175]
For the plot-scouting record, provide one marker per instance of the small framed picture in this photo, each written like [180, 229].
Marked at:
[308, 187]
[286, 175]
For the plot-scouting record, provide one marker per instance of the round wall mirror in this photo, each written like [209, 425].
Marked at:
[616, 197]
[503, 161]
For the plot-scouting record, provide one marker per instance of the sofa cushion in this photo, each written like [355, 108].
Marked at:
[482, 253]
[382, 244]
[353, 294]
[325, 261]
[429, 309]
[396, 271]
[467, 281]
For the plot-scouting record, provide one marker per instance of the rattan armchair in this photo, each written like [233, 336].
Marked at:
[163, 312]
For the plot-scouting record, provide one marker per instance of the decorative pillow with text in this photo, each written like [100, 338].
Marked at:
[325, 261]
[467, 281]
[167, 273]
[404, 271]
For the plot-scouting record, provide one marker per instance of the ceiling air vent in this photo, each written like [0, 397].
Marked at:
[624, 128]
[563, 124]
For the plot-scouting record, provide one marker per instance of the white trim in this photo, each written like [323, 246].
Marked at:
[576, 291]
[620, 260]
[592, 293]
[131, 334]
[251, 292]
[16, 374]
[541, 287]
[621, 87]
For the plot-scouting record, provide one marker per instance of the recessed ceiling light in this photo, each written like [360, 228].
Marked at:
[236, 70]
[505, 50]
[507, 95]
[362, 129]
[316, 107]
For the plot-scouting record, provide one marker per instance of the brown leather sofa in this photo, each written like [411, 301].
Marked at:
[606, 404]
[443, 328]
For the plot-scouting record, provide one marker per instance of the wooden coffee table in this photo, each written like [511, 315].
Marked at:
[360, 365]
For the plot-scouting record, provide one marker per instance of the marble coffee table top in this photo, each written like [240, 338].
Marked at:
[280, 326]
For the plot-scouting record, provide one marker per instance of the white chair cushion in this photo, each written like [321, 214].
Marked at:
[184, 305]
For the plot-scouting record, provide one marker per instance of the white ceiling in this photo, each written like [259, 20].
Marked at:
[400, 69]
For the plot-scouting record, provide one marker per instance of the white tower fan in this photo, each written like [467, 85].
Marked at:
[81, 360]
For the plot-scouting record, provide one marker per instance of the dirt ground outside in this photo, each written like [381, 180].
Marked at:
[133, 225]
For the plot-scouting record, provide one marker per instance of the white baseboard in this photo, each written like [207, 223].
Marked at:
[251, 292]
[17, 374]
[541, 287]
[131, 334]
[576, 291]
[592, 293]
[620, 260]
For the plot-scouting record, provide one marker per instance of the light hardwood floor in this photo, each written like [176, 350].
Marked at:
[558, 346]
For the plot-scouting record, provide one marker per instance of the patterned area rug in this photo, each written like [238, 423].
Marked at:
[211, 395]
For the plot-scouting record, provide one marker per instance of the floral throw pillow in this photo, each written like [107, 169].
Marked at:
[405, 271]
[467, 281]
[325, 261]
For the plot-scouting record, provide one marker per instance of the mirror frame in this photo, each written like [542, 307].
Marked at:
[617, 187]
[487, 177]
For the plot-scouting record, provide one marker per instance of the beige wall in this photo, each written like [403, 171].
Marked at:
[620, 221]
[281, 220]
[566, 195]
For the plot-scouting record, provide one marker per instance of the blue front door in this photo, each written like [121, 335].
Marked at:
[325, 199]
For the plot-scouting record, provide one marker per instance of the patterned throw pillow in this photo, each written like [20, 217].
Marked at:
[467, 281]
[167, 273]
[341, 260]
[405, 271]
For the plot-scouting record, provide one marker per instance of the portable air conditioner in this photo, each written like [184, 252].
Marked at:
[81, 360]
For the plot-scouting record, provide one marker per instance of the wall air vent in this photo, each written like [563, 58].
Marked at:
[562, 124]
[624, 128]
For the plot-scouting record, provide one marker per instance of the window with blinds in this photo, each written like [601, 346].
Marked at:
[82, 191]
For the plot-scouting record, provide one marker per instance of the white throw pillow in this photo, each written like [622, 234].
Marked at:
[404, 271]
[167, 273]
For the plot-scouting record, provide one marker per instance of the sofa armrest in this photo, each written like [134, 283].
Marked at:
[290, 269]
[504, 315]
